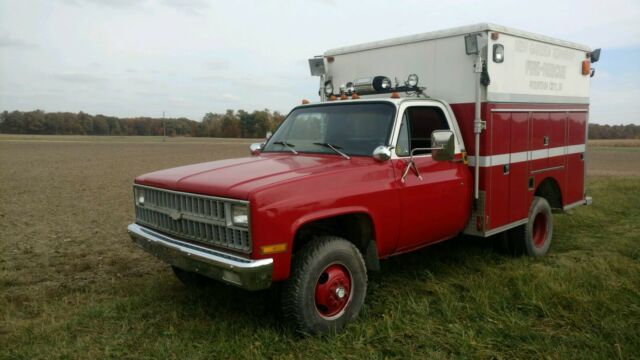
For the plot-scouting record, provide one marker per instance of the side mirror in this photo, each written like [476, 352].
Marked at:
[594, 56]
[269, 133]
[382, 153]
[444, 145]
[256, 148]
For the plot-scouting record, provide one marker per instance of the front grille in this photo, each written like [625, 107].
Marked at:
[193, 217]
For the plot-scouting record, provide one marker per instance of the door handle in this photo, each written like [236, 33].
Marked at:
[545, 141]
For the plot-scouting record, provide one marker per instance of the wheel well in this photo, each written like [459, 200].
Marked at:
[550, 191]
[356, 228]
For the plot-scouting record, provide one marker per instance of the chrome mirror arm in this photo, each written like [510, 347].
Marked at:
[411, 165]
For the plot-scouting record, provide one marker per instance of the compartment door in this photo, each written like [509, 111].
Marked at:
[540, 125]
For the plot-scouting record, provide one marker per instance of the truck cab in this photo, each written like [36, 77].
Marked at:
[395, 137]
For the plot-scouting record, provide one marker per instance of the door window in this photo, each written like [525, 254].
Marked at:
[417, 124]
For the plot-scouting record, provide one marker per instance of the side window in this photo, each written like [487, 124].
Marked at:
[418, 123]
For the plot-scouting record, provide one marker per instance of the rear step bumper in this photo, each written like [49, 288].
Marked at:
[245, 273]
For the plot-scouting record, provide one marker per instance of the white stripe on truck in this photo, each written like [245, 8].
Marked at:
[502, 159]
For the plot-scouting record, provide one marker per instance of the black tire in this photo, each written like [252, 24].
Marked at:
[190, 278]
[318, 270]
[534, 237]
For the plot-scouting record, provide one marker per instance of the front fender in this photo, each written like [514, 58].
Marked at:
[327, 213]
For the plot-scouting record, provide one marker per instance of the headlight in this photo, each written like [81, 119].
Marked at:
[412, 80]
[239, 215]
[328, 88]
[140, 197]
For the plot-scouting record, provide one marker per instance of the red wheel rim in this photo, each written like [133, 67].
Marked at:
[539, 229]
[333, 290]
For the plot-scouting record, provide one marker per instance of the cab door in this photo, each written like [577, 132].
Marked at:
[435, 201]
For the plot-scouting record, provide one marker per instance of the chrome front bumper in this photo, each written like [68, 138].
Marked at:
[245, 273]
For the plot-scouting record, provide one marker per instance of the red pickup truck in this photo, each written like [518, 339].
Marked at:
[375, 170]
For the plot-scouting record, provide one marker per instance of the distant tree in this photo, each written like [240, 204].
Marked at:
[229, 124]
[247, 123]
[630, 131]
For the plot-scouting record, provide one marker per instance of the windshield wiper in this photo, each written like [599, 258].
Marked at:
[289, 146]
[334, 148]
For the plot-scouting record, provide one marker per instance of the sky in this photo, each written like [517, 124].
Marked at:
[190, 57]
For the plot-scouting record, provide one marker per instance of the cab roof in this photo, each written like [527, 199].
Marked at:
[373, 98]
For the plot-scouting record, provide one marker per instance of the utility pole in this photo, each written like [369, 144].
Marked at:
[164, 128]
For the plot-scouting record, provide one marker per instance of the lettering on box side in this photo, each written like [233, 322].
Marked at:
[535, 68]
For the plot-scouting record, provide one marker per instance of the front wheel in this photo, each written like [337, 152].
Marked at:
[327, 286]
[534, 237]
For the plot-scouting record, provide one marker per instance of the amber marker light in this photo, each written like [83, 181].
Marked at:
[272, 249]
[586, 67]
[395, 95]
[343, 97]
[355, 96]
[332, 98]
[305, 101]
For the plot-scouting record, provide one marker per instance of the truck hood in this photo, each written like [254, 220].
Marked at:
[238, 178]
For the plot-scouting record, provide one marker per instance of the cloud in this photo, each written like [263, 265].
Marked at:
[80, 78]
[201, 50]
[110, 3]
[230, 97]
[273, 84]
[191, 7]
[9, 42]
[140, 80]
[217, 65]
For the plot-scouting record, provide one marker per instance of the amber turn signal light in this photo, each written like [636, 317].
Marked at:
[305, 101]
[272, 249]
[395, 95]
[586, 67]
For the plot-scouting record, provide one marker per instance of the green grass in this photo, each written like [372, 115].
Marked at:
[459, 299]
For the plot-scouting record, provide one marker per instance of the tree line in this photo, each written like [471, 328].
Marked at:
[232, 124]
[630, 131]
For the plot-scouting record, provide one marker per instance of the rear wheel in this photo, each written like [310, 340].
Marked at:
[327, 286]
[534, 237]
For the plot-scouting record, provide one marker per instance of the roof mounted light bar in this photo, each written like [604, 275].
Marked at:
[374, 85]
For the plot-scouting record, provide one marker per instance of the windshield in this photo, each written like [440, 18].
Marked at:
[353, 129]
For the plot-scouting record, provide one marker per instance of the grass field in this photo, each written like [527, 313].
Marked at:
[72, 284]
